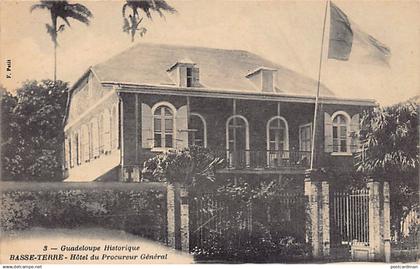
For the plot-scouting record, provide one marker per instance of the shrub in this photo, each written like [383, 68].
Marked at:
[137, 210]
[238, 246]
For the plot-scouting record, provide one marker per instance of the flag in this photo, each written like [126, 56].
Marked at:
[346, 37]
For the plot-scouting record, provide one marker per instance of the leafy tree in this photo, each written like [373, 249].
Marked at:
[63, 10]
[389, 139]
[132, 22]
[8, 131]
[32, 150]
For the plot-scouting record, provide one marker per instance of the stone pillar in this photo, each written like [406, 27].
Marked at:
[318, 215]
[184, 220]
[379, 222]
[177, 217]
[374, 221]
[325, 209]
[387, 224]
[170, 208]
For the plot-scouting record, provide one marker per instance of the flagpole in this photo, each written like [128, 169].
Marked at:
[318, 86]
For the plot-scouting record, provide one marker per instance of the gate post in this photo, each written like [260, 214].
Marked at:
[318, 216]
[184, 222]
[178, 217]
[387, 224]
[379, 221]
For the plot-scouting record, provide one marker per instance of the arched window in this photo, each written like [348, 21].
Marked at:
[340, 129]
[198, 134]
[277, 141]
[114, 127]
[79, 148]
[237, 141]
[163, 126]
[106, 131]
[277, 134]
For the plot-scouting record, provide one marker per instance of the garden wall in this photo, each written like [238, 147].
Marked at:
[137, 208]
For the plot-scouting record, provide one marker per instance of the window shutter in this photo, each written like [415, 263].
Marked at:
[66, 153]
[182, 128]
[79, 147]
[114, 127]
[354, 133]
[95, 138]
[107, 131]
[85, 143]
[146, 126]
[328, 136]
[196, 76]
[73, 161]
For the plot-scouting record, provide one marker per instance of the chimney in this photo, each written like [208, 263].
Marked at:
[263, 78]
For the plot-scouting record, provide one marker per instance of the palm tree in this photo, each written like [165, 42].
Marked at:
[63, 10]
[389, 138]
[133, 20]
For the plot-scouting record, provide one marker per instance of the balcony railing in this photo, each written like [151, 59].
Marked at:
[265, 159]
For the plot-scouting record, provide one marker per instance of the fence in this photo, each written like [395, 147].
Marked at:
[214, 217]
[271, 159]
[349, 217]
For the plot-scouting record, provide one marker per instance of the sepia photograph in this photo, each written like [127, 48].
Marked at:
[210, 132]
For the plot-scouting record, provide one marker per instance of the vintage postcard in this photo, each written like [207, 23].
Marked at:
[222, 132]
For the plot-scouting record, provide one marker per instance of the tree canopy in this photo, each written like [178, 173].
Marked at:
[390, 151]
[63, 10]
[32, 131]
[131, 23]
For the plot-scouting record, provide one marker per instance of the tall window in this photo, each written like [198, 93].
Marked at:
[189, 77]
[100, 134]
[278, 138]
[340, 128]
[163, 126]
[305, 137]
[237, 134]
[78, 148]
[106, 131]
[67, 153]
[115, 127]
[74, 150]
[94, 138]
[197, 136]
[237, 141]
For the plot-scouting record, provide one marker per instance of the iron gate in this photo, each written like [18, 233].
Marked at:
[349, 217]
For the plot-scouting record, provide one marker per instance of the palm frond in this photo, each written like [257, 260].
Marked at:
[124, 8]
[39, 6]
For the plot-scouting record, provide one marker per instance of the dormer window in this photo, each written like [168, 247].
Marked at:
[189, 76]
[185, 74]
[263, 78]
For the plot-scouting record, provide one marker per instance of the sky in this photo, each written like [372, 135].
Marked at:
[286, 32]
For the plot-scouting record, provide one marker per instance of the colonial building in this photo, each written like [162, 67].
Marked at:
[256, 114]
